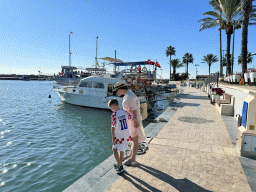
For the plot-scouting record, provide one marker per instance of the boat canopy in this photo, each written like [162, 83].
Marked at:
[112, 59]
[132, 63]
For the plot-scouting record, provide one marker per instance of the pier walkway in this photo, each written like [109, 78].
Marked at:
[192, 152]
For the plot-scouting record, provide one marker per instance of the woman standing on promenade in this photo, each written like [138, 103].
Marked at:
[131, 104]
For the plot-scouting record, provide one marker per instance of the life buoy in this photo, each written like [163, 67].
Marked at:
[133, 67]
[144, 69]
[129, 80]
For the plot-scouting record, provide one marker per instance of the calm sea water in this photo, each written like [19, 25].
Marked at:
[45, 144]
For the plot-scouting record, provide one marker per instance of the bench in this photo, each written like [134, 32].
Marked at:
[225, 106]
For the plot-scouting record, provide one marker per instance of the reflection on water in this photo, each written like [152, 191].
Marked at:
[47, 144]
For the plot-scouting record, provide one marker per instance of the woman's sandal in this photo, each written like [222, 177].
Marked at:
[129, 163]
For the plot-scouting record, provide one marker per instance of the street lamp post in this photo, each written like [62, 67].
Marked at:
[217, 78]
[223, 63]
[196, 70]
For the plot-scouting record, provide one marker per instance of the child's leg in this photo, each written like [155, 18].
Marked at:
[130, 154]
[120, 162]
[116, 155]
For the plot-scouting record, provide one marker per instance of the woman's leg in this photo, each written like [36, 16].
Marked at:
[135, 147]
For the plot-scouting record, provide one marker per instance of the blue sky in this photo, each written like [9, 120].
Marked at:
[34, 33]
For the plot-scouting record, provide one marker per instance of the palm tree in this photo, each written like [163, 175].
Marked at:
[176, 64]
[249, 58]
[209, 59]
[224, 15]
[225, 61]
[169, 52]
[187, 58]
[215, 5]
[248, 11]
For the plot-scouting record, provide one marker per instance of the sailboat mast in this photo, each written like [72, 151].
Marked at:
[115, 61]
[69, 50]
[96, 51]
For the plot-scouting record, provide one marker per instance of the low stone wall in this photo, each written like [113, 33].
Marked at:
[240, 95]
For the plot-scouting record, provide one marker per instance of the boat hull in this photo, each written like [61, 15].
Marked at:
[87, 100]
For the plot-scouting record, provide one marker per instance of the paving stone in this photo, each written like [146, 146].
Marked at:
[191, 152]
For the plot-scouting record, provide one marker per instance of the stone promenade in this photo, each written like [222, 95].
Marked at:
[193, 152]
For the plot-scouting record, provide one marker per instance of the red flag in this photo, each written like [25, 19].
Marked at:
[97, 37]
[157, 65]
[150, 62]
[71, 32]
[139, 68]
[60, 73]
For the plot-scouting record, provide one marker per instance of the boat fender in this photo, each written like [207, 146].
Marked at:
[144, 69]
[129, 80]
[143, 111]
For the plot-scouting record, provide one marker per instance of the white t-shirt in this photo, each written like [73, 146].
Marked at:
[119, 120]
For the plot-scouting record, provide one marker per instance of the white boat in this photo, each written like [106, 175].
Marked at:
[93, 91]
[71, 75]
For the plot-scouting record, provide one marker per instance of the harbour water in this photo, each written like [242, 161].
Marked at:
[45, 144]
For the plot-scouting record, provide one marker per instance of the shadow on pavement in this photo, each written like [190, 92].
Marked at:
[182, 96]
[181, 104]
[183, 185]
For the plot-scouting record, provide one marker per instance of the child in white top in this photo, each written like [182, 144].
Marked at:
[120, 132]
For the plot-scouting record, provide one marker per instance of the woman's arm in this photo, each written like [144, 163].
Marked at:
[135, 119]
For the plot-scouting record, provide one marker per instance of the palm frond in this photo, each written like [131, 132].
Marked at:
[213, 14]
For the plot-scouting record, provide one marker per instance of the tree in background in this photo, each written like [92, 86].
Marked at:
[249, 58]
[169, 52]
[176, 64]
[224, 15]
[187, 58]
[209, 59]
[248, 11]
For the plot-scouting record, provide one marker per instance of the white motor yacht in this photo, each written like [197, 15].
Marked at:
[93, 91]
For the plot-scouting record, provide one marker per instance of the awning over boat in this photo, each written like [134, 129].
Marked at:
[131, 63]
[112, 59]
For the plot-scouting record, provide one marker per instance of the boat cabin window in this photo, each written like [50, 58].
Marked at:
[98, 85]
[86, 84]
[111, 91]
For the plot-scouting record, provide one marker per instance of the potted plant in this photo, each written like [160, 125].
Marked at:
[236, 78]
[230, 78]
[216, 93]
[241, 82]
[246, 76]
[253, 75]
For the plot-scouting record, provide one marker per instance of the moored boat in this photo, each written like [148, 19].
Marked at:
[93, 91]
